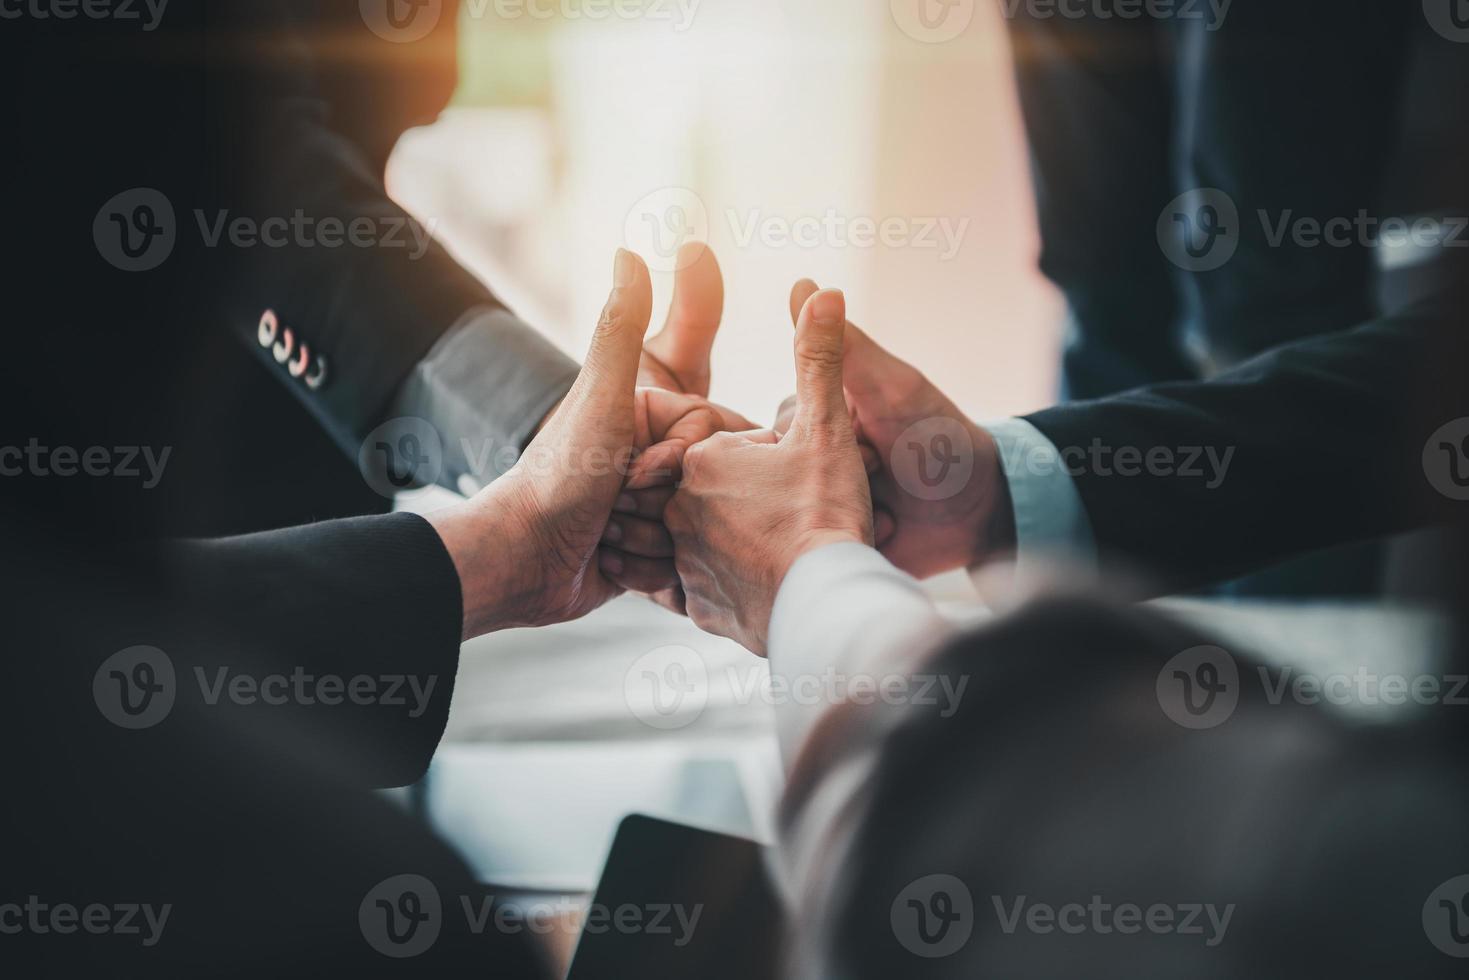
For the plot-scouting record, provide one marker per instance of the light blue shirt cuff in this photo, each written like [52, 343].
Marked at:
[1051, 523]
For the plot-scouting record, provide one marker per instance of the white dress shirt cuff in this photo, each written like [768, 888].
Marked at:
[846, 625]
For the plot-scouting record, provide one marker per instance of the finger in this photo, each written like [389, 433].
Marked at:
[617, 346]
[649, 503]
[763, 437]
[800, 293]
[673, 422]
[684, 344]
[866, 364]
[785, 415]
[871, 458]
[732, 421]
[867, 367]
[672, 599]
[884, 526]
[638, 536]
[636, 574]
[819, 331]
[657, 466]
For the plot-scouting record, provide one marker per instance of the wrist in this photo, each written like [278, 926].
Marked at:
[993, 534]
[815, 540]
[476, 543]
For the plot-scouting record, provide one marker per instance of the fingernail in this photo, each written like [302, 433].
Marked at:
[611, 563]
[613, 532]
[626, 504]
[623, 269]
[828, 307]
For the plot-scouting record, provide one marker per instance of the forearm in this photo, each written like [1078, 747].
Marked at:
[373, 598]
[1314, 444]
[855, 627]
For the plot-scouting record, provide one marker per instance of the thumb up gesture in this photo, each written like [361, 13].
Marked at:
[528, 548]
[751, 503]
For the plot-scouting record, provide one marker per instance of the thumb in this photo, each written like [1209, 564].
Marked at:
[819, 395]
[598, 412]
[684, 344]
[800, 293]
[617, 345]
[865, 364]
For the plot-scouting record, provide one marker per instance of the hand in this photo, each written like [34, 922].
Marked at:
[752, 503]
[922, 529]
[676, 360]
[526, 547]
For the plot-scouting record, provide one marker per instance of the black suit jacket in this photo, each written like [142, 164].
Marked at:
[219, 109]
[1326, 441]
[236, 795]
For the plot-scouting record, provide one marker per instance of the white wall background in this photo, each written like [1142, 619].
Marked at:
[775, 110]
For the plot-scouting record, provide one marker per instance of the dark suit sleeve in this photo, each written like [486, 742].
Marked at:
[1324, 442]
[362, 619]
[363, 312]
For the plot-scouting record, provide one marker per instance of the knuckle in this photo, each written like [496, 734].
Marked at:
[701, 613]
[819, 353]
[674, 517]
[616, 318]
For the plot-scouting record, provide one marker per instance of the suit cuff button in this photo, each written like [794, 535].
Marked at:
[282, 350]
[316, 378]
[270, 326]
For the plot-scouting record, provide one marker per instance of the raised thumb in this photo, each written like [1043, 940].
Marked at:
[686, 340]
[819, 342]
[617, 344]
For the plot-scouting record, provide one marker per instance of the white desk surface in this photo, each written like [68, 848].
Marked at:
[544, 754]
